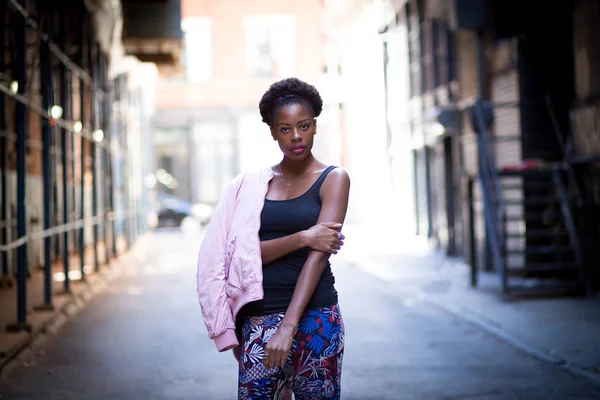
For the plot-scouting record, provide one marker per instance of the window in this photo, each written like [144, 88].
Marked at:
[270, 49]
[414, 50]
[198, 49]
[438, 52]
[450, 53]
[420, 42]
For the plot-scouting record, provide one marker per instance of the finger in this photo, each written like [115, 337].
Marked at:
[268, 357]
[332, 225]
[282, 359]
[271, 361]
[338, 235]
[277, 360]
[274, 359]
[267, 362]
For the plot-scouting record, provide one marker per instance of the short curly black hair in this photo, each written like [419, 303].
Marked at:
[289, 91]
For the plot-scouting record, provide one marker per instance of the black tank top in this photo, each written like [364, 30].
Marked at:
[281, 218]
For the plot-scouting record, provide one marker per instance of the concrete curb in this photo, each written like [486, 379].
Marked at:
[492, 328]
[77, 302]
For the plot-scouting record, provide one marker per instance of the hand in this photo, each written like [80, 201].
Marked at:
[278, 348]
[324, 237]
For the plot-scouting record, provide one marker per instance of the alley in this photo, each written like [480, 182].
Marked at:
[143, 338]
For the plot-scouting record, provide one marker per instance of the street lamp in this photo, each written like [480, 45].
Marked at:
[98, 135]
[56, 112]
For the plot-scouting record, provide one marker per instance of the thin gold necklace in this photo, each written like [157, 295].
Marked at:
[289, 183]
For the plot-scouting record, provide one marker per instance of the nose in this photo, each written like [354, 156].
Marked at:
[296, 136]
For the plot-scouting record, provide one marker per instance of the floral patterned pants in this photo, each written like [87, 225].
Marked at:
[314, 366]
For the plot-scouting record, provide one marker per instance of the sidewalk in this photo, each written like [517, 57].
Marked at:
[562, 331]
[66, 305]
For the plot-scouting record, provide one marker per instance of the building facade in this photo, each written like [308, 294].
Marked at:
[491, 108]
[207, 127]
[73, 117]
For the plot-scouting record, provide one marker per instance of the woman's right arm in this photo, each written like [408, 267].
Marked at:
[321, 237]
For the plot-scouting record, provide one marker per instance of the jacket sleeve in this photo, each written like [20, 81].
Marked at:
[210, 275]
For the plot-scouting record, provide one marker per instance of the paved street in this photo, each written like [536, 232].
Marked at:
[143, 338]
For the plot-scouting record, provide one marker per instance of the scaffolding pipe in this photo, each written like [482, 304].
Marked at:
[64, 101]
[6, 279]
[21, 124]
[73, 193]
[54, 231]
[48, 94]
[46, 77]
[93, 149]
[58, 53]
[59, 122]
[84, 48]
[102, 71]
[111, 160]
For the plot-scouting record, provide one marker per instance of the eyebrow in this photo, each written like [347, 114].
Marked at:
[284, 123]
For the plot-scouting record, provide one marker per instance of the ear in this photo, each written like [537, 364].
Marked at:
[273, 133]
[315, 122]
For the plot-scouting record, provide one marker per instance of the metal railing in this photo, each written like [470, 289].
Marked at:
[566, 150]
[495, 208]
[565, 207]
[564, 194]
[494, 205]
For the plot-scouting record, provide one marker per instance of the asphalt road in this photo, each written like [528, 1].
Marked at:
[143, 339]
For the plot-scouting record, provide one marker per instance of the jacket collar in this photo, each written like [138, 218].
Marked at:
[267, 173]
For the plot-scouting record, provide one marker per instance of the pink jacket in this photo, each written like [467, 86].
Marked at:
[229, 273]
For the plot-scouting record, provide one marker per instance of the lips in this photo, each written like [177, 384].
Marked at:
[298, 149]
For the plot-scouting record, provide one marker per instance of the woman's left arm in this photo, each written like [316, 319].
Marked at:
[334, 204]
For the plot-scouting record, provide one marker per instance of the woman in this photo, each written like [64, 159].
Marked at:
[264, 260]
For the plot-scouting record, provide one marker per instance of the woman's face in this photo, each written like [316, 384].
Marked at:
[294, 128]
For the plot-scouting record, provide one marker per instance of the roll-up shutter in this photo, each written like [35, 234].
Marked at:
[507, 149]
[421, 192]
[507, 125]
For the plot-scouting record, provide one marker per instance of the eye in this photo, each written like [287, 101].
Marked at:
[304, 127]
[284, 130]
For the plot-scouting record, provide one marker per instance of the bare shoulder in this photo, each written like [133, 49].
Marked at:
[337, 180]
[339, 175]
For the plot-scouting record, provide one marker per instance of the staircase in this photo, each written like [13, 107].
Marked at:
[529, 221]
[541, 238]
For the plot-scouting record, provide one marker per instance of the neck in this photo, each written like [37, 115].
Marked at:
[296, 167]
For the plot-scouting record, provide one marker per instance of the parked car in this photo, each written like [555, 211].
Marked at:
[173, 211]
